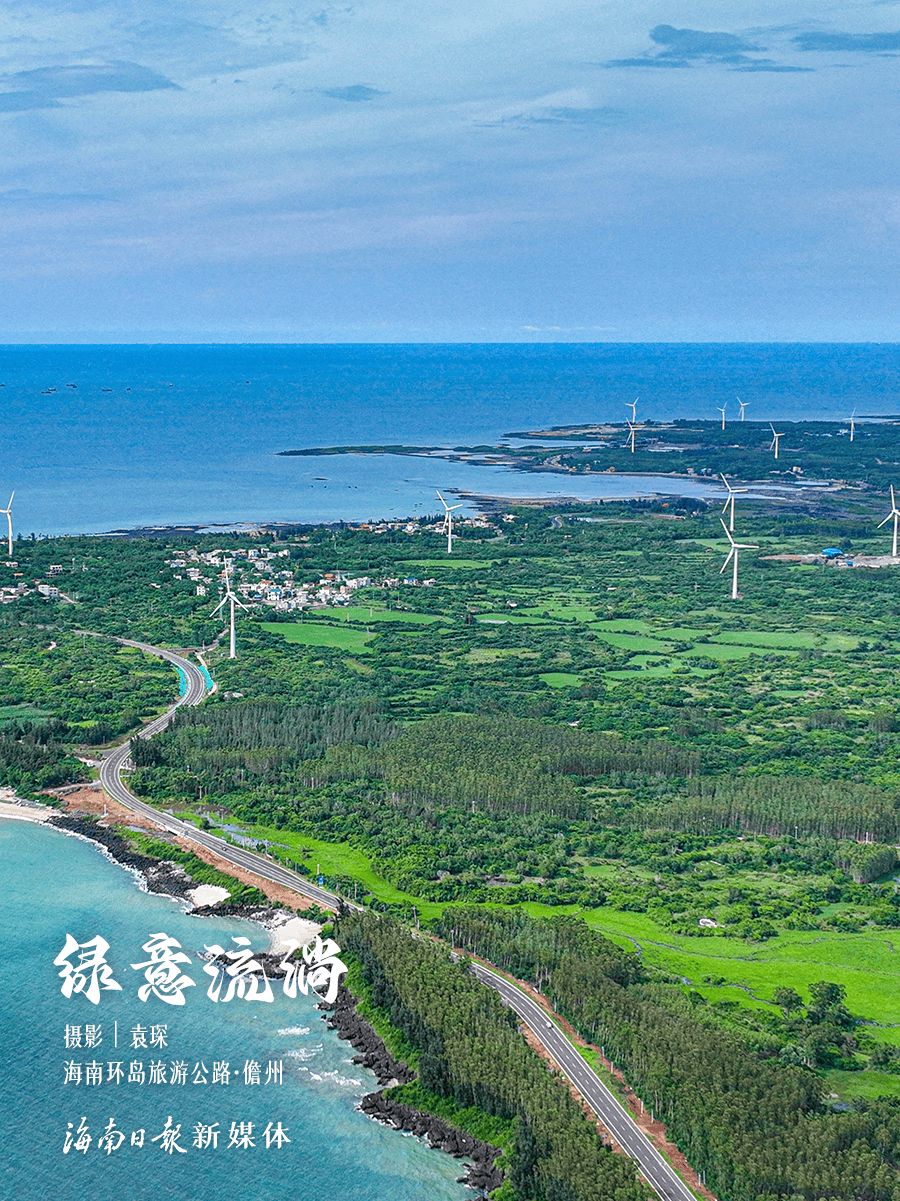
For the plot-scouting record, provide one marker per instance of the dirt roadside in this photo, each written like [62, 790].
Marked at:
[94, 801]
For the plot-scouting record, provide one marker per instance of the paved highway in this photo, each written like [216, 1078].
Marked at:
[656, 1171]
[113, 765]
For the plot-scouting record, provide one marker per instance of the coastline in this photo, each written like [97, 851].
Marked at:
[343, 1017]
[23, 811]
[166, 878]
[169, 879]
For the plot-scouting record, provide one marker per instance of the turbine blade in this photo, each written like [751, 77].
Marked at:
[727, 532]
[727, 561]
[219, 606]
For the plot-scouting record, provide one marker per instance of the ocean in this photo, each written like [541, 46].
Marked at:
[54, 884]
[99, 438]
[105, 437]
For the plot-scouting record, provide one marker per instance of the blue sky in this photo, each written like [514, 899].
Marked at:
[456, 171]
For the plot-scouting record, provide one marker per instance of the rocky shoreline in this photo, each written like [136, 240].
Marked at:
[170, 879]
[161, 876]
[343, 1017]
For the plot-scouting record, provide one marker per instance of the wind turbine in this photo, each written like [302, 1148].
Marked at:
[732, 493]
[633, 430]
[852, 424]
[743, 404]
[632, 404]
[733, 553]
[8, 512]
[448, 521]
[774, 443]
[895, 513]
[233, 600]
[722, 411]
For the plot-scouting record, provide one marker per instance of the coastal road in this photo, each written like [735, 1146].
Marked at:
[655, 1169]
[113, 766]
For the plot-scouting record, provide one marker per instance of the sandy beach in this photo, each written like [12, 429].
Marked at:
[23, 811]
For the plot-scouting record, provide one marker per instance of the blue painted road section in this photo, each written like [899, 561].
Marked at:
[182, 682]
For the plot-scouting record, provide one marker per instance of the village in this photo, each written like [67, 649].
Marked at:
[262, 576]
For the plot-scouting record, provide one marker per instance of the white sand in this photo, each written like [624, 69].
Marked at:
[294, 929]
[25, 813]
[208, 894]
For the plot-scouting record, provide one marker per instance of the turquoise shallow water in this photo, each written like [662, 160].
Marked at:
[54, 884]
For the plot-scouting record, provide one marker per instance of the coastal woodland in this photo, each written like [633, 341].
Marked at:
[570, 753]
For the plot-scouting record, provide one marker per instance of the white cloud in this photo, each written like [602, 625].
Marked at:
[477, 143]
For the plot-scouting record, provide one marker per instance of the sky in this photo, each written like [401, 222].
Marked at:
[456, 171]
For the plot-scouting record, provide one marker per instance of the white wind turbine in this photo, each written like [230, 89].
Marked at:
[773, 445]
[632, 431]
[895, 513]
[8, 512]
[852, 424]
[722, 411]
[632, 404]
[743, 404]
[448, 521]
[232, 601]
[732, 493]
[733, 554]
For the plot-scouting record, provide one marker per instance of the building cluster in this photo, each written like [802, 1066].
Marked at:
[12, 592]
[261, 577]
[477, 522]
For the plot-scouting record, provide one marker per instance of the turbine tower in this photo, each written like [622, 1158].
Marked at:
[722, 411]
[732, 493]
[8, 512]
[632, 431]
[852, 424]
[733, 554]
[743, 404]
[448, 521]
[232, 601]
[895, 513]
[773, 445]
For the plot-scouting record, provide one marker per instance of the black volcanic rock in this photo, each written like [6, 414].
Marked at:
[442, 1136]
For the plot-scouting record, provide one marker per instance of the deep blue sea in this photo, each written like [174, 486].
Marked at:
[97, 438]
[53, 884]
[158, 435]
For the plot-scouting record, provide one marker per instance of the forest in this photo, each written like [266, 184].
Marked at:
[572, 748]
[467, 1048]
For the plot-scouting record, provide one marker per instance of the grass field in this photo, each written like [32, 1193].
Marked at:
[452, 562]
[371, 613]
[844, 1086]
[10, 713]
[319, 634]
[337, 859]
[865, 963]
[560, 679]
